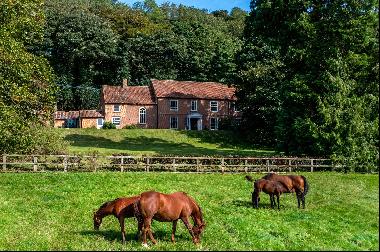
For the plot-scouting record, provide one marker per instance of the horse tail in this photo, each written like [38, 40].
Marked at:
[249, 178]
[306, 186]
[136, 209]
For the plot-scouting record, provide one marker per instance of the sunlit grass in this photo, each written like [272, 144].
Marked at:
[159, 142]
[53, 211]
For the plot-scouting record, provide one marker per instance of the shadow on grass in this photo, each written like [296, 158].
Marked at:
[248, 204]
[157, 145]
[112, 235]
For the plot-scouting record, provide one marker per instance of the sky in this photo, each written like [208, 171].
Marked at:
[210, 5]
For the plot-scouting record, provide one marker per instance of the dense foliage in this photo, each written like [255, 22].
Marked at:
[26, 81]
[307, 72]
[90, 43]
[309, 79]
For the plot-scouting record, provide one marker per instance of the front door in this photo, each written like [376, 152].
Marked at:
[194, 123]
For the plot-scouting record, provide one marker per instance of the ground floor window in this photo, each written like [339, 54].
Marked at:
[100, 122]
[174, 122]
[116, 120]
[214, 123]
[142, 116]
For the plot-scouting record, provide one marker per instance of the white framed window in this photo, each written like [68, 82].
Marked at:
[174, 105]
[116, 108]
[234, 107]
[194, 105]
[214, 106]
[116, 120]
[142, 115]
[214, 123]
[100, 121]
[174, 122]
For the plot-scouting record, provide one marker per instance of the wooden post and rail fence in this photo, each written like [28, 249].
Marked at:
[66, 163]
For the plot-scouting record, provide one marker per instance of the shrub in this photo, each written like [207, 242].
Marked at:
[108, 125]
[133, 126]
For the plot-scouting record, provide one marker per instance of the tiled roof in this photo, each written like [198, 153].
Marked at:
[63, 115]
[128, 95]
[90, 114]
[193, 89]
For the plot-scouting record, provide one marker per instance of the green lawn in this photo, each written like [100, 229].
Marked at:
[159, 142]
[53, 211]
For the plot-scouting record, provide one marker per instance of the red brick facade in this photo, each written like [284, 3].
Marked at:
[200, 105]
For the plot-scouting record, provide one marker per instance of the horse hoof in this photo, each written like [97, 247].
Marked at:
[145, 245]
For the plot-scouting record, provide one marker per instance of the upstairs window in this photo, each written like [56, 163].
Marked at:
[194, 105]
[142, 116]
[116, 108]
[214, 106]
[174, 105]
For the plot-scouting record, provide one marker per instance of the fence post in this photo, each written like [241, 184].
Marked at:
[245, 168]
[122, 164]
[4, 162]
[223, 165]
[197, 164]
[147, 165]
[35, 160]
[312, 165]
[65, 163]
[268, 165]
[174, 168]
[94, 163]
[290, 165]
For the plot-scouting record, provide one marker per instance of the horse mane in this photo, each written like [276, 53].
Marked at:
[105, 204]
[268, 175]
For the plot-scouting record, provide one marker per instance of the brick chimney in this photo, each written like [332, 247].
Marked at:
[125, 82]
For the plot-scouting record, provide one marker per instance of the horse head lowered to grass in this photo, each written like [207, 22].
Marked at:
[121, 208]
[169, 208]
[284, 184]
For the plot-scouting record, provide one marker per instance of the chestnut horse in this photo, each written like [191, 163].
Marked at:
[168, 208]
[273, 188]
[121, 208]
[294, 183]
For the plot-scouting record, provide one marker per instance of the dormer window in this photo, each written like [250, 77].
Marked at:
[214, 106]
[116, 108]
[174, 105]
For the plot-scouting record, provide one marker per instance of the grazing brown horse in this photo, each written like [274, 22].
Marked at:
[121, 208]
[273, 188]
[168, 208]
[294, 183]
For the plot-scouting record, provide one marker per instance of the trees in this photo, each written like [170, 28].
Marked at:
[26, 81]
[323, 60]
[82, 48]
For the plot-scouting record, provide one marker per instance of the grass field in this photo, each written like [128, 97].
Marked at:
[159, 142]
[53, 211]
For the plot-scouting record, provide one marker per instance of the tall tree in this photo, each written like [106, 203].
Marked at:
[83, 49]
[327, 81]
[26, 80]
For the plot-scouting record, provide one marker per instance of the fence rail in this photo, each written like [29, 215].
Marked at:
[65, 163]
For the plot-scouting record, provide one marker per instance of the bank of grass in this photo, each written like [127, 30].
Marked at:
[159, 142]
[53, 211]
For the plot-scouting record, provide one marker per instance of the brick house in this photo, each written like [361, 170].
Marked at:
[165, 104]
